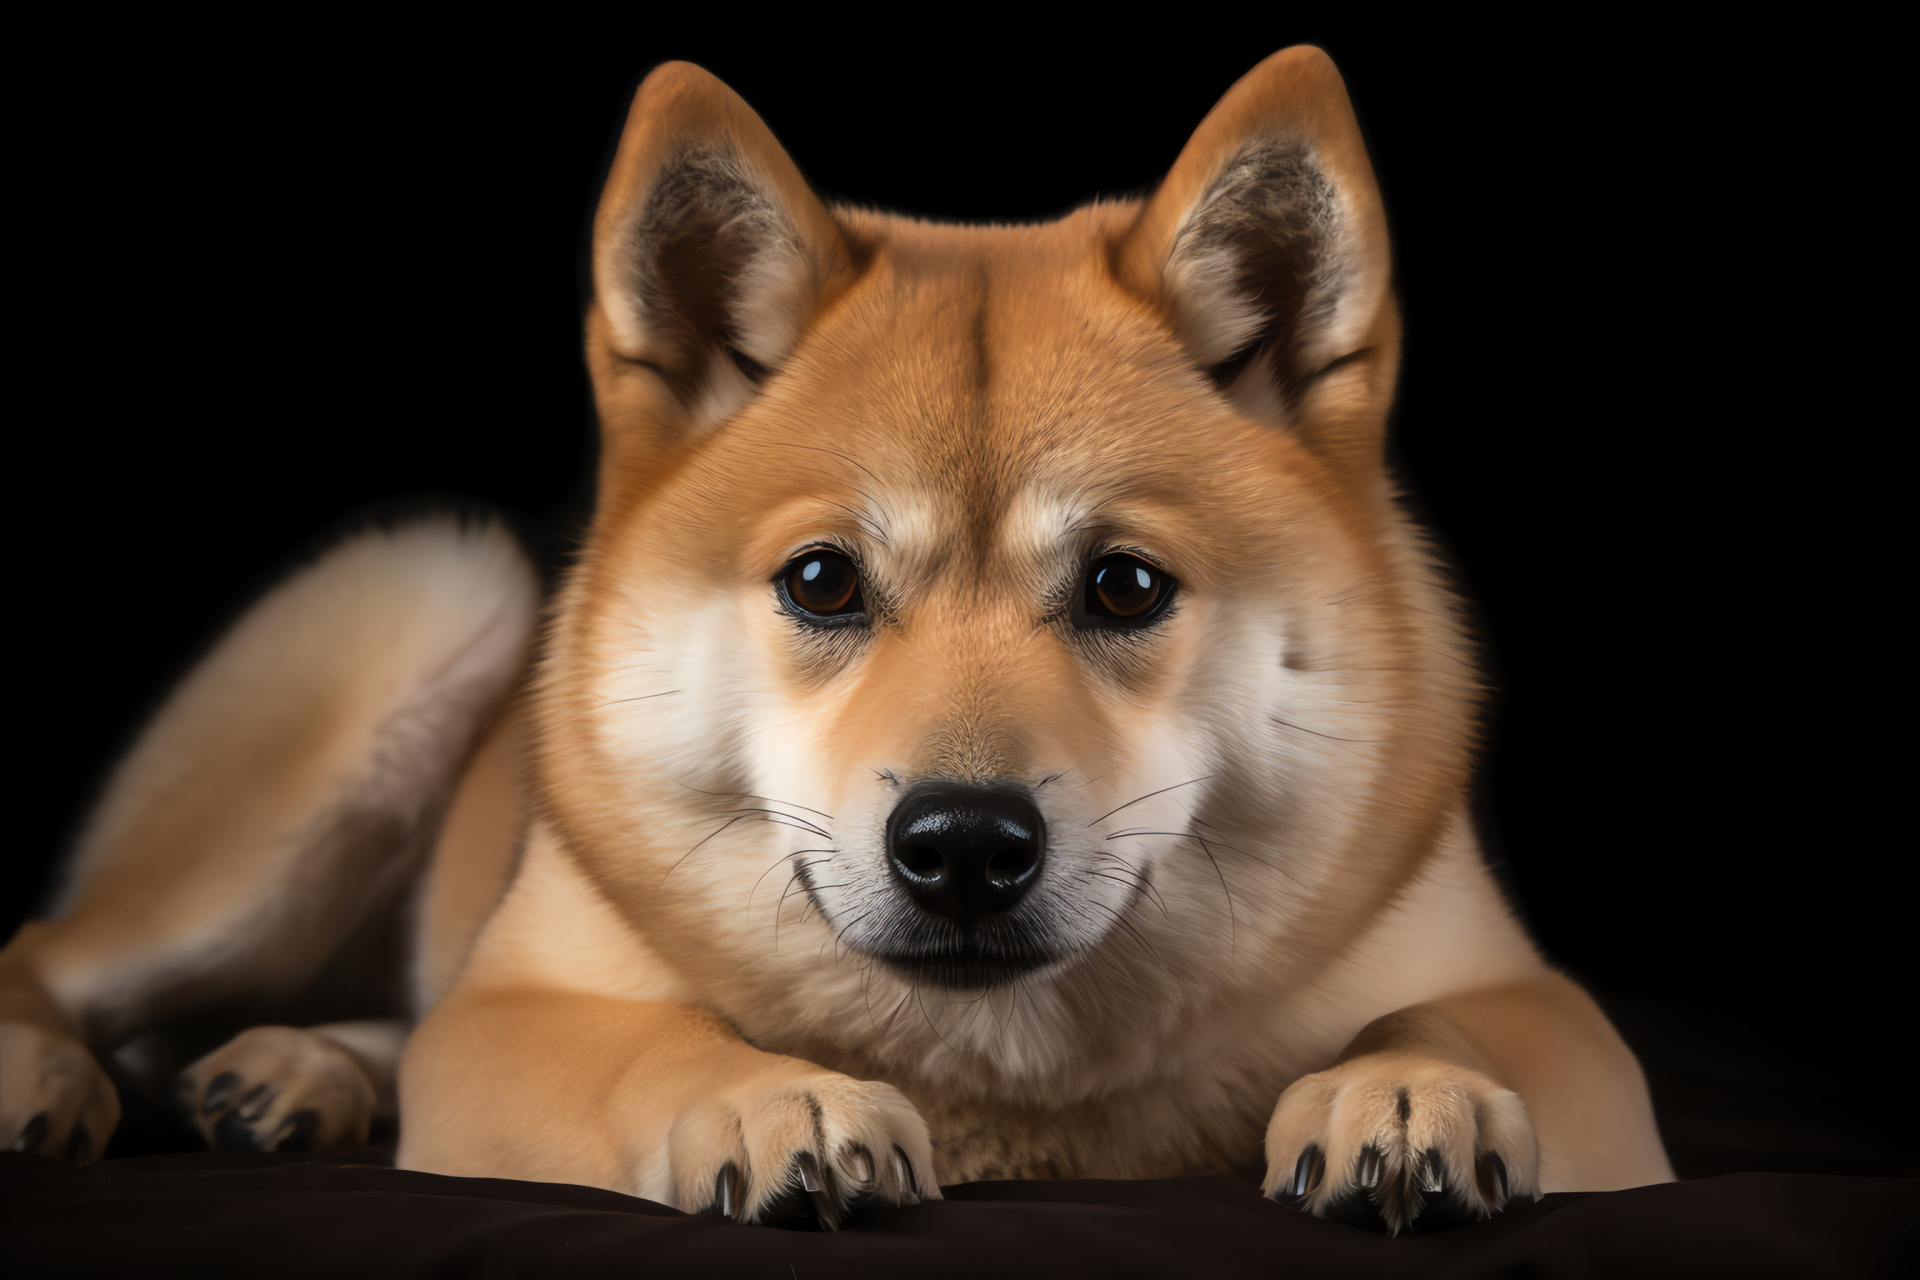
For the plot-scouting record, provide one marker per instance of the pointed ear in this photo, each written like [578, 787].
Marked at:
[710, 254]
[1266, 248]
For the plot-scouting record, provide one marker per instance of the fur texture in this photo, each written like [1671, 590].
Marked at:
[1261, 935]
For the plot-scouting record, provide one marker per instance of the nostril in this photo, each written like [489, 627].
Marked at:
[923, 861]
[1008, 865]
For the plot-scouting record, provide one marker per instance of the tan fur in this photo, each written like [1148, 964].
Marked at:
[275, 810]
[1278, 934]
[966, 400]
[479, 846]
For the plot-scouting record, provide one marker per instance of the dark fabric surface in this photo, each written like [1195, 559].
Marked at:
[1798, 1166]
[250, 1214]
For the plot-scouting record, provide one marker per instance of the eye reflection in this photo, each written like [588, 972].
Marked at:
[1124, 590]
[822, 583]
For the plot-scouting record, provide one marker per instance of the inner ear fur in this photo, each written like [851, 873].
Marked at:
[1266, 249]
[710, 254]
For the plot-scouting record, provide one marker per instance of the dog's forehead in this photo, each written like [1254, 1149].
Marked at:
[995, 388]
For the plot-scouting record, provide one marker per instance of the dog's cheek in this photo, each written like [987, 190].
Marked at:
[668, 692]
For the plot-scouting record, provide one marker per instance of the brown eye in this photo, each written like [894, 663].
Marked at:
[822, 584]
[1123, 590]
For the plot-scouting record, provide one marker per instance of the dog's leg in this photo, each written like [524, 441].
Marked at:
[567, 1052]
[54, 1098]
[1446, 1110]
[479, 847]
[277, 801]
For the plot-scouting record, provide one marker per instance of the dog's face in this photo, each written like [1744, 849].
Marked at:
[995, 646]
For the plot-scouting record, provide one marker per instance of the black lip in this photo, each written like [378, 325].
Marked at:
[936, 956]
[958, 970]
[930, 954]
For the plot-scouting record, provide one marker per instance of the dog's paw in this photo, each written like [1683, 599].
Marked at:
[794, 1145]
[1388, 1140]
[278, 1089]
[54, 1098]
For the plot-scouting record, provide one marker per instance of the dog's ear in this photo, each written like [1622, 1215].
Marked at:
[710, 254]
[1266, 248]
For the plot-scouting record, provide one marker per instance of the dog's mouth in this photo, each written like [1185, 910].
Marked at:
[968, 968]
[932, 951]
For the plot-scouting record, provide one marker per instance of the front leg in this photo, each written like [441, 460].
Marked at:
[1445, 1111]
[569, 1051]
[54, 1098]
[656, 1100]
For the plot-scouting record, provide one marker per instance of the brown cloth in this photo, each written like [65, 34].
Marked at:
[348, 1214]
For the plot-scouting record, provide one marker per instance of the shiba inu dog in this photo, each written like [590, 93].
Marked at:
[1001, 723]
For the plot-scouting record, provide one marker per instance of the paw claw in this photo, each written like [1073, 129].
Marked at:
[1308, 1170]
[79, 1145]
[903, 1174]
[255, 1101]
[1372, 1165]
[32, 1134]
[813, 1181]
[1433, 1174]
[297, 1130]
[232, 1133]
[1490, 1171]
[726, 1192]
[858, 1162]
[219, 1089]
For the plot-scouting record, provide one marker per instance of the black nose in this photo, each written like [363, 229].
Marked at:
[966, 852]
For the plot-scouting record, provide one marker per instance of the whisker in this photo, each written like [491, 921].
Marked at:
[779, 907]
[745, 795]
[1138, 885]
[668, 693]
[787, 820]
[1150, 795]
[1330, 737]
[928, 1017]
[773, 816]
[1178, 835]
[1126, 924]
[783, 858]
[1140, 874]
[1232, 939]
[696, 848]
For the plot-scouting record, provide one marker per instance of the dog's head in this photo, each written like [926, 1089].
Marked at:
[996, 644]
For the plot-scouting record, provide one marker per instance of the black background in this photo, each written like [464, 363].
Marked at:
[270, 284]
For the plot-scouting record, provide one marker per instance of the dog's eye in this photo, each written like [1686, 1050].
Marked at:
[822, 583]
[1122, 590]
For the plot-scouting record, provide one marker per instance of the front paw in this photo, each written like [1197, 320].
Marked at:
[793, 1145]
[1386, 1140]
[54, 1098]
